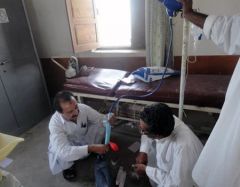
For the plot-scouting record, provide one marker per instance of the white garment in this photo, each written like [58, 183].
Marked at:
[171, 159]
[224, 32]
[218, 164]
[69, 141]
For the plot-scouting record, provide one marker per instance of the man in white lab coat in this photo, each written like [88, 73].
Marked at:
[218, 164]
[169, 149]
[76, 130]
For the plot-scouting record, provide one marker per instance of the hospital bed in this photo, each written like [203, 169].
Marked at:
[204, 92]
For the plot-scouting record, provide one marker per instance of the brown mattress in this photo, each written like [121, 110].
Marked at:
[201, 90]
[100, 82]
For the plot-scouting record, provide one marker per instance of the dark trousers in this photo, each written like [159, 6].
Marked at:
[102, 174]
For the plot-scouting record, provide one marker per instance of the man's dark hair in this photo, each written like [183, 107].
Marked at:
[62, 96]
[159, 118]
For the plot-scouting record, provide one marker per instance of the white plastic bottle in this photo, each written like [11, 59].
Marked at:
[70, 72]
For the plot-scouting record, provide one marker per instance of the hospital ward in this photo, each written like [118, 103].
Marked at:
[119, 93]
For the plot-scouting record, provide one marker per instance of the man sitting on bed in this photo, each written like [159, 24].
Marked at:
[169, 149]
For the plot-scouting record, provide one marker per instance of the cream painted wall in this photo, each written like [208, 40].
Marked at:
[50, 27]
[51, 31]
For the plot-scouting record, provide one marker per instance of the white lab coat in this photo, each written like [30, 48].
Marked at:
[69, 141]
[171, 159]
[218, 164]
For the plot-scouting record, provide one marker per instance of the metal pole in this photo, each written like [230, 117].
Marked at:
[183, 67]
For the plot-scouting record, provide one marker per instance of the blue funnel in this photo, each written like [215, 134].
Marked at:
[172, 6]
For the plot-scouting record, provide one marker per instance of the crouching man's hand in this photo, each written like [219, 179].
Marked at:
[98, 148]
[140, 169]
[112, 119]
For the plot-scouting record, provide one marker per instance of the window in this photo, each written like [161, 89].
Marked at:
[106, 24]
[113, 23]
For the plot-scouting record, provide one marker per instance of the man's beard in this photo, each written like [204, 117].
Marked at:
[74, 118]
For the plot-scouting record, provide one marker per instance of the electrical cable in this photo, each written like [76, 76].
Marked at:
[161, 81]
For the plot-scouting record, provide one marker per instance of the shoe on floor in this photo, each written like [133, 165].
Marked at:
[70, 174]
